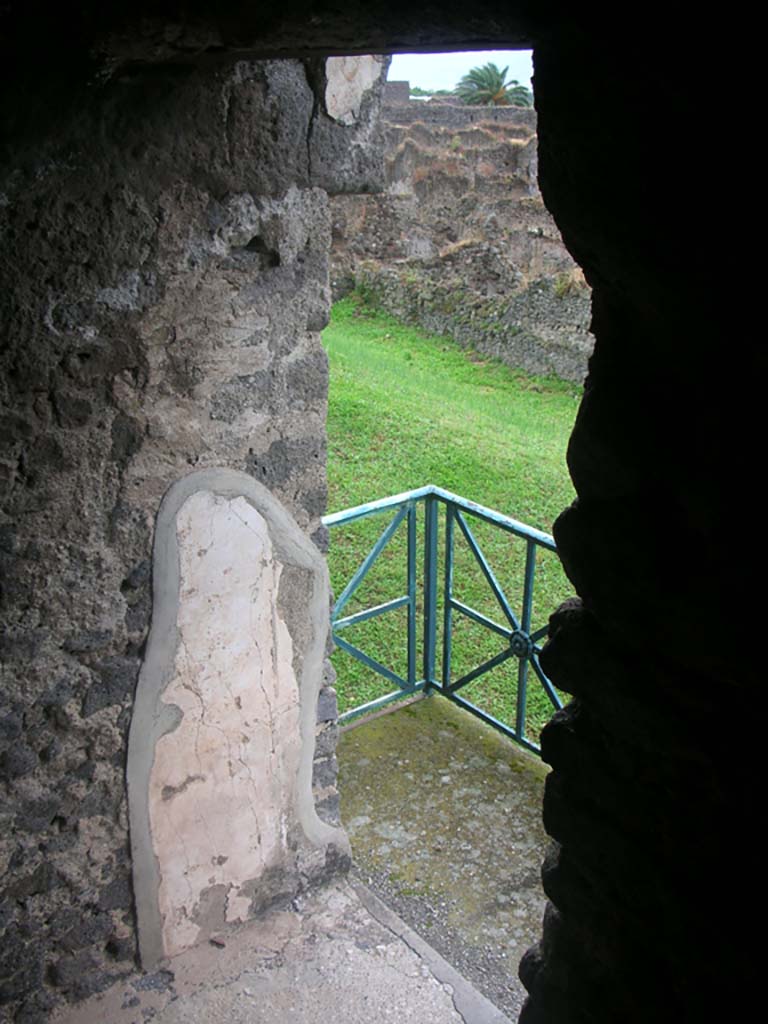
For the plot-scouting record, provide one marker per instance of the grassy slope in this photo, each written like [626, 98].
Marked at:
[406, 410]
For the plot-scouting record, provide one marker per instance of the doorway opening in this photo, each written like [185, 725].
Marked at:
[437, 378]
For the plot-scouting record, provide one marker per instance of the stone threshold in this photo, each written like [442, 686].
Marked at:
[338, 953]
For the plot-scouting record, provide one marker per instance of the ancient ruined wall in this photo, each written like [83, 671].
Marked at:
[654, 800]
[461, 243]
[165, 279]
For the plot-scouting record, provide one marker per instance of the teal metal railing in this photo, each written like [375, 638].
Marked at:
[521, 640]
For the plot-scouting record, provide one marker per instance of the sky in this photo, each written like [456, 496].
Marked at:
[443, 70]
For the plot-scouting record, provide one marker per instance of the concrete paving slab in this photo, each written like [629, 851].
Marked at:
[336, 955]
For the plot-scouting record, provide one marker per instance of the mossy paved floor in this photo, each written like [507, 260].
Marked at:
[444, 815]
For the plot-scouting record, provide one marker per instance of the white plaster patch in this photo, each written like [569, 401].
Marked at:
[348, 80]
[222, 788]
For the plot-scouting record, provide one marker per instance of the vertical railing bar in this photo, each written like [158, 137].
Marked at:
[430, 588]
[525, 625]
[448, 596]
[522, 697]
[411, 593]
[530, 570]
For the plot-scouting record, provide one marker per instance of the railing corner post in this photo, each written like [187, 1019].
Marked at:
[430, 589]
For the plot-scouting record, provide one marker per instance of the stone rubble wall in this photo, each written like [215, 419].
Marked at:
[460, 242]
[165, 280]
[652, 802]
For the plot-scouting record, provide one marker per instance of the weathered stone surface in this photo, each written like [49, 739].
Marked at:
[222, 738]
[129, 139]
[326, 739]
[460, 242]
[337, 954]
[160, 314]
[348, 80]
[345, 144]
[444, 817]
[327, 705]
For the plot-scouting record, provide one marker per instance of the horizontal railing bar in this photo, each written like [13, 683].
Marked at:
[366, 659]
[379, 702]
[486, 666]
[349, 515]
[490, 515]
[371, 613]
[490, 720]
[483, 620]
[497, 518]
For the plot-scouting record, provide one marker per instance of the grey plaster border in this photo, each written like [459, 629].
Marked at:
[152, 719]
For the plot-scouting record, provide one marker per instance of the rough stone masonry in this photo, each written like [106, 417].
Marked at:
[129, 143]
[165, 281]
[460, 242]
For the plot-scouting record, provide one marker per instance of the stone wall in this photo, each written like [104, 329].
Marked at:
[165, 279]
[650, 799]
[460, 242]
[115, 151]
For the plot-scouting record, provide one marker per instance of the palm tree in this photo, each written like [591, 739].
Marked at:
[488, 85]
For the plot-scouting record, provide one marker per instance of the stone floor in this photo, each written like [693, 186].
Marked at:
[338, 956]
[444, 815]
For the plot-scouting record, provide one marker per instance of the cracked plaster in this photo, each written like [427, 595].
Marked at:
[220, 757]
[349, 80]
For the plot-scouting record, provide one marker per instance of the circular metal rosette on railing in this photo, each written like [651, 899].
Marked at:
[521, 644]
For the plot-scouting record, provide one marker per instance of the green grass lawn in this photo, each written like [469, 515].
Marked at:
[406, 410]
